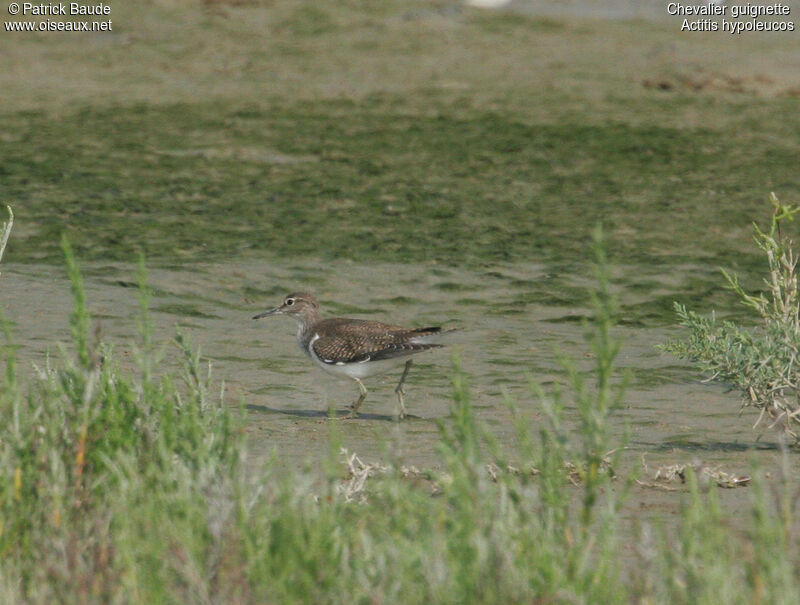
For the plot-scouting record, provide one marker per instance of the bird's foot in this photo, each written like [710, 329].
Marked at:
[353, 407]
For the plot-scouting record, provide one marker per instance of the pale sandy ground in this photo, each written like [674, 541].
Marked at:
[185, 50]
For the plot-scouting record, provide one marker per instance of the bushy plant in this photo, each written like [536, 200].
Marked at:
[88, 449]
[762, 362]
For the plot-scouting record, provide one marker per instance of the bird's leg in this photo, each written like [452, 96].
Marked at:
[400, 392]
[354, 408]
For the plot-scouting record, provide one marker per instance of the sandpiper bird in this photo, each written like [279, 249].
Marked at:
[354, 348]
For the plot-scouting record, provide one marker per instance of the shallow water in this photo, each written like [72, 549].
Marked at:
[512, 320]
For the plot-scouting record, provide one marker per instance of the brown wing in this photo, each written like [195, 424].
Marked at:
[354, 340]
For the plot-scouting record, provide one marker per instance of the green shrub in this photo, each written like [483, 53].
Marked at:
[762, 362]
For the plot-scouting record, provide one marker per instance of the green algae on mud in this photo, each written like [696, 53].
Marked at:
[355, 180]
[394, 131]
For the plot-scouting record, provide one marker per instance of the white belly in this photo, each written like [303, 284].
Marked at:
[357, 370]
[361, 370]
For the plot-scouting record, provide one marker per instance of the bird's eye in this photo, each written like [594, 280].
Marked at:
[289, 302]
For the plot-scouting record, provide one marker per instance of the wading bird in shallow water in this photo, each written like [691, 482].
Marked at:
[355, 348]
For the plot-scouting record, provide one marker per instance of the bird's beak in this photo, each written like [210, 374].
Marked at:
[267, 313]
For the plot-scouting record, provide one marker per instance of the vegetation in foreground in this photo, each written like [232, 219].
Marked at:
[762, 362]
[133, 488]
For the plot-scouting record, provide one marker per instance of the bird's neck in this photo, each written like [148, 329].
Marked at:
[305, 325]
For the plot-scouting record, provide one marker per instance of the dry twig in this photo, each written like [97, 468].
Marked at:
[705, 475]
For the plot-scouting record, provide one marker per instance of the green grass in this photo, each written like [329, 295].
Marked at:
[134, 487]
[379, 183]
[401, 132]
